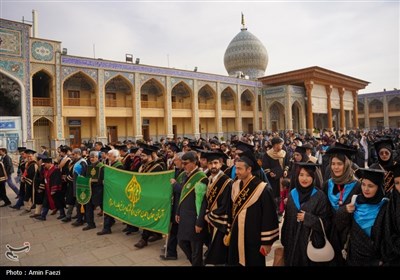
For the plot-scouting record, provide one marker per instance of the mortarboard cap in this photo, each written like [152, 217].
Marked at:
[41, 156]
[121, 147]
[47, 160]
[384, 143]
[376, 176]
[133, 150]
[308, 165]
[174, 147]
[249, 158]
[213, 155]
[20, 149]
[148, 149]
[342, 149]
[29, 151]
[105, 149]
[243, 146]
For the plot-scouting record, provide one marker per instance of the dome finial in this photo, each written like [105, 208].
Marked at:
[243, 25]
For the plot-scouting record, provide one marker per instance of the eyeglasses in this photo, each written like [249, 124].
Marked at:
[382, 153]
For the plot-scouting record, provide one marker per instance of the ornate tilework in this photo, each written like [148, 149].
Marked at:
[67, 71]
[101, 106]
[10, 42]
[145, 78]
[175, 81]
[95, 63]
[15, 68]
[222, 87]
[42, 51]
[58, 99]
[108, 75]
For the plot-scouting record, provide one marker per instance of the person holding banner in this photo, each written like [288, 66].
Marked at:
[113, 157]
[192, 209]
[149, 165]
[95, 172]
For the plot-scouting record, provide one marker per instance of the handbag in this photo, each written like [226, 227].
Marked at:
[324, 254]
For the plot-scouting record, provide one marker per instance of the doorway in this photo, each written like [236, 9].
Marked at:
[274, 126]
[146, 132]
[112, 134]
[75, 136]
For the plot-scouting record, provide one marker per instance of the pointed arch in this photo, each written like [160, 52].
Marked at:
[25, 113]
[228, 99]
[207, 98]
[118, 92]
[247, 100]
[276, 116]
[152, 94]
[394, 104]
[79, 90]
[375, 106]
[181, 95]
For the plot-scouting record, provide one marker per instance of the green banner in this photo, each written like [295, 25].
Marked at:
[139, 199]
[83, 190]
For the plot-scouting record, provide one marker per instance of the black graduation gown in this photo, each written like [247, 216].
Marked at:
[294, 236]
[272, 165]
[391, 242]
[261, 221]
[188, 216]
[39, 186]
[340, 224]
[364, 250]
[217, 251]
[53, 184]
[97, 182]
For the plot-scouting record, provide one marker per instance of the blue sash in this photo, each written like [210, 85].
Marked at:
[365, 215]
[295, 195]
[334, 198]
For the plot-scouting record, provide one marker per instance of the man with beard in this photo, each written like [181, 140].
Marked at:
[253, 219]
[149, 165]
[191, 210]
[218, 194]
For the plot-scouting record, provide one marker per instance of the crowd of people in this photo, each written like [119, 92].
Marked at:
[257, 189]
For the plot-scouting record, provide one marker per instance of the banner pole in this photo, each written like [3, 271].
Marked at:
[165, 246]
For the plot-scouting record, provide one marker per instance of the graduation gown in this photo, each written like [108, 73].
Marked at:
[188, 214]
[256, 223]
[218, 194]
[340, 217]
[391, 242]
[365, 250]
[53, 184]
[272, 165]
[295, 234]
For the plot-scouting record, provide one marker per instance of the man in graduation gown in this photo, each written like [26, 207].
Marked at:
[253, 218]
[149, 165]
[95, 172]
[218, 193]
[191, 210]
[28, 177]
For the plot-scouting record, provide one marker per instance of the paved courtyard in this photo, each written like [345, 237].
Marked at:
[54, 243]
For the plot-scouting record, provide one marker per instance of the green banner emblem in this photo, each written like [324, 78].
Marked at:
[83, 190]
[139, 199]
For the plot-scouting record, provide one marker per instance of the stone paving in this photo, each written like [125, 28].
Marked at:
[54, 243]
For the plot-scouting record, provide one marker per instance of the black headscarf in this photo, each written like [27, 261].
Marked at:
[304, 193]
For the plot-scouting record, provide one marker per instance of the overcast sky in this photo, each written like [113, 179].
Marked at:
[359, 39]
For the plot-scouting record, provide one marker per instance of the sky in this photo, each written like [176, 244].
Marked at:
[357, 38]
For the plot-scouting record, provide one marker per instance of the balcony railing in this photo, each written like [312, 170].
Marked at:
[181, 105]
[116, 103]
[152, 104]
[42, 101]
[247, 107]
[79, 102]
[228, 106]
[206, 106]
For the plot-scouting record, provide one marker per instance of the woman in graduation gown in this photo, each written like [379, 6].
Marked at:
[306, 204]
[366, 231]
[384, 149]
[391, 243]
[340, 188]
